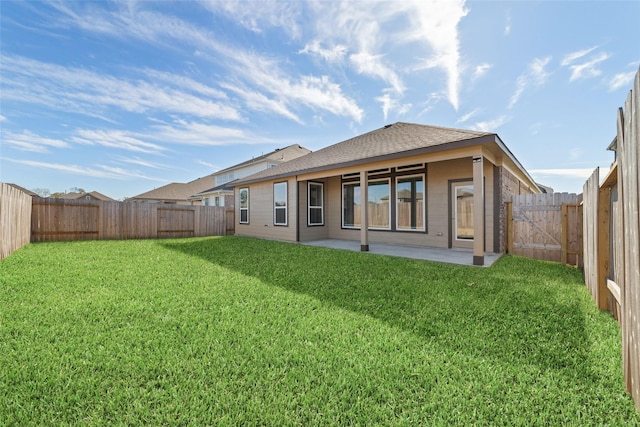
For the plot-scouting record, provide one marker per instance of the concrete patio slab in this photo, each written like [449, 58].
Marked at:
[450, 256]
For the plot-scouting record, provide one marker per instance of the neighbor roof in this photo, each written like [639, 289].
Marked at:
[398, 139]
[177, 190]
[279, 154]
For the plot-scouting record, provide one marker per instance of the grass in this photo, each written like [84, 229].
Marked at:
[240, 331]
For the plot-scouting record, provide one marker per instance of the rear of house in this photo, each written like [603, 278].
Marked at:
[423, 186]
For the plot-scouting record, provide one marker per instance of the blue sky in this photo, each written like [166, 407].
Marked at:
[125, 97]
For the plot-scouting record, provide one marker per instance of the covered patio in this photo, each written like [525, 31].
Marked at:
[456, 256]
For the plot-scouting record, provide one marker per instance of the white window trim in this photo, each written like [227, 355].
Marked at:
[286, 206]
[241, 208]
[424, 202]
[309, 207]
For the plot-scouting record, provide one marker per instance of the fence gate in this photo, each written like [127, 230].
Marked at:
[546, 227]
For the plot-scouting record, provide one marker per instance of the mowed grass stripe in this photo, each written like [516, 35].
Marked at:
[244, 331]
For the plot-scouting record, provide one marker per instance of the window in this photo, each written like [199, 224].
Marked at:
[351, 205]
[410, 203]
[206, 201]
[379, 210]
[244, 206]
[316, 204]
[280, 203]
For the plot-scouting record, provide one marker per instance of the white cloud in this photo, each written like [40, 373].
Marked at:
[391, 104]
[95, 171]
[334, 54]
[466, 117]
[85, 92]
[436, 24]
[259, 102]
[29, 141]
[507, 25]
[2, 118]
[305, 91]
[621, 80]
[255, 15]
[535, 75]
[587, 69]
[490, 125]
[372, 65]
[193, 133]
[481, 70]
[571, 57]
[119, 139]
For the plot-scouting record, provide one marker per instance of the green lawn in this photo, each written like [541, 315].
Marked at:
[239, 331]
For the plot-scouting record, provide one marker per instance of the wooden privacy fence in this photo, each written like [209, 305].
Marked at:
[612, 229]
[60, 219]
[15, 219]
[546, 227]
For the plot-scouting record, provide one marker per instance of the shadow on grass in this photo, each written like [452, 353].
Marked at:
[519, 311]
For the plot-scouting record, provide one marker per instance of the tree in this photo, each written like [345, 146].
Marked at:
[42, 192]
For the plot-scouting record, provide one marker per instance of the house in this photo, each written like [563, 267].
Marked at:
[93, 195]
[222, 193]
[423, 185]
[213, 189]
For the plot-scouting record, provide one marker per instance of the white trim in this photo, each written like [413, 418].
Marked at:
[286, 203]
[240, 221]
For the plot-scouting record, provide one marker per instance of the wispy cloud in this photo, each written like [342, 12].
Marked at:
[29, 141]
[466, 117]
[392, 104]
[85, 92]
[490, 125]
[481, 70]
[507, 25]
[95, 171]
[305, 91]
[621, 80]
[582, 64]
[536, 75]
[373, 65]
[119, 139]
[589, 68]
[201, 134]
[332, 55]
[436, 24]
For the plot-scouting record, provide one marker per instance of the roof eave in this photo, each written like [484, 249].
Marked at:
[425, 150]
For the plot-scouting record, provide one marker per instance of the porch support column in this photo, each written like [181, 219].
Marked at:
[478, 211]
[364, 214]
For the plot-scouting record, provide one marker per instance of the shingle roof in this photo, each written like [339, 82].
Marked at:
[177, 190]
[394, 139]
[281, 155]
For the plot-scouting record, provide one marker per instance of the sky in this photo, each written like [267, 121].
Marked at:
[125, 97]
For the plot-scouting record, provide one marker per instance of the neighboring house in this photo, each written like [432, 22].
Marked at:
[222, 193]
[205, 190]
[93, 195]
[424, 186]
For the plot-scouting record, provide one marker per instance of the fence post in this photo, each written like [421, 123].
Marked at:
[565, 234]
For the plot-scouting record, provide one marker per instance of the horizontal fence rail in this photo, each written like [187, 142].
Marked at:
[61, 219]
